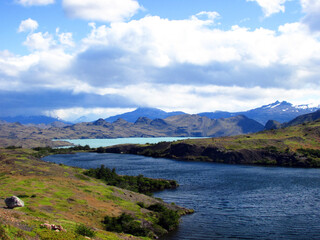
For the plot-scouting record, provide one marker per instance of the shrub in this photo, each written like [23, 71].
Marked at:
[13, 147]
[126, 224]
[22, 196]
[85, 231]
[141, 204]
[139, 183]
[167, 218]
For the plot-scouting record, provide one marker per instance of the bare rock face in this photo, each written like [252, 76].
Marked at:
[13, 202]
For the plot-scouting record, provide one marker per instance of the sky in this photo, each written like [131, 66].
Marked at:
[98, 58]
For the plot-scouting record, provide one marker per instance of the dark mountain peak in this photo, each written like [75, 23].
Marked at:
[272, 124]
[17, 124]
[143, 120]
[120, 121]
[59, 124]
[99, 122]
[159, 123]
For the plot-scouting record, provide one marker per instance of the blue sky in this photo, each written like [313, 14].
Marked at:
[96, 58]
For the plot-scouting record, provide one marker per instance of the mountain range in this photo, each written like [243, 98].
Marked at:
[183, 125]
[278, 111]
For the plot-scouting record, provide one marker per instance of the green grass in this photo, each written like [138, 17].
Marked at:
[60, 195]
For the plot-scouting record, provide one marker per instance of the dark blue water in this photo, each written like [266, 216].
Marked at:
[231, 201]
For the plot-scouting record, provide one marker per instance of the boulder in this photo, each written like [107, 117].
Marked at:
[13, 202]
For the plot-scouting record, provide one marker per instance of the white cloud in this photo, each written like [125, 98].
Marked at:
[209, 15]
[12, 65]
[310, 5]
[35, 2]
[163, 43]
[39, 41]
[91, 114]
[270, 7]
[28, 25]
[101, 10]
[195, 99]
[65, 38]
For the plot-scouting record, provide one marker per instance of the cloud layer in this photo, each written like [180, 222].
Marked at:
[190, 65]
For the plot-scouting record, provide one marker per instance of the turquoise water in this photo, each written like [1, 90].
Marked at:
[95, 143]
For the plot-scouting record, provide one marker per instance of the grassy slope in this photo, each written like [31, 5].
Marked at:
[275, 147]
[59, 195]
[292, 138]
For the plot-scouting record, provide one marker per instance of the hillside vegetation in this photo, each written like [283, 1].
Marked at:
[62, 195]
[295, 146]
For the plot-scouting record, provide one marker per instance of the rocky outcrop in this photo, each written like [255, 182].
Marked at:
[13, 202]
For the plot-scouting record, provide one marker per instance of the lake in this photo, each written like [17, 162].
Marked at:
[106, 142]
[230, 201]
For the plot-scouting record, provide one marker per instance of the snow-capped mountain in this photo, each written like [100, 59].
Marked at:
[279, 111]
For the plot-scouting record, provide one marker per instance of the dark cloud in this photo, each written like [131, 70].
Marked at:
[112, 67]
[313, 21]
[226, 74]
[107, 67]
[30, 103]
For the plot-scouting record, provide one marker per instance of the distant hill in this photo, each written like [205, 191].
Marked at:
[278, 111]
[305, 118]
[195, 125]
[151, 113]
[184, 125]
[33, 120]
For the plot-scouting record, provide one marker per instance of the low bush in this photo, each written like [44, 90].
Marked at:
[85, 231]
[167, 218]
[138, 184]
[127, 224]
